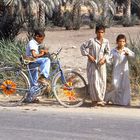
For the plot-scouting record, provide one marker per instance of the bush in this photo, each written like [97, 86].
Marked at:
[134, 45]
[127, 23]
[67, 20]
[9, 26]
[10, 51]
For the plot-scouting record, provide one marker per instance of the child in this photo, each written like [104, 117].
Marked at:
[32, 50]
[120, 83]
[96, 49]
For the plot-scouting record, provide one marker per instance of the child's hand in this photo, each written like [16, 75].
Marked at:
[43, 52]
[102, 61]
[46, 51]
[126, 52]
[91, 58]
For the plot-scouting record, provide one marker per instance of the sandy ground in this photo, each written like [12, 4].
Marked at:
[70, 41]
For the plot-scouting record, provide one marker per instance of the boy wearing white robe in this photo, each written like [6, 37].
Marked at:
[96, 49]
[120, 93]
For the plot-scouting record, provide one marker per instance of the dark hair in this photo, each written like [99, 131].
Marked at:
[99, 27]
[121, 36]
[39, 32]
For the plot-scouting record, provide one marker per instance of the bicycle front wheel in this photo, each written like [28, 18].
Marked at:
[73, 92]
[14, 85]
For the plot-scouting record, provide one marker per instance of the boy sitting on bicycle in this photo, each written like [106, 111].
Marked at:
[32, 50]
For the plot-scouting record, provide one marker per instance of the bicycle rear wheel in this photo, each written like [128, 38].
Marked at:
[14, 85]
[73, 92]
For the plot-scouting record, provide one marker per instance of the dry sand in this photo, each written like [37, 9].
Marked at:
[70, 41]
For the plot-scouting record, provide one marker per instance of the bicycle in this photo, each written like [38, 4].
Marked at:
[68, 87]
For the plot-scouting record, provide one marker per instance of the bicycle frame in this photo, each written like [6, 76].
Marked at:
[9, 86]
[53, 73]
[66, 85]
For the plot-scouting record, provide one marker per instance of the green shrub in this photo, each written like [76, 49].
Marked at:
[10, 51]
[134, 45]
[67, 20]
[127, 23]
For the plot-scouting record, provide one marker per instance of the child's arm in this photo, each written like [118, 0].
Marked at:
[37, 55]
[45, 51]
[106, 54]
[84, 47]
[84, 52]
[129, 53]
[91, 58]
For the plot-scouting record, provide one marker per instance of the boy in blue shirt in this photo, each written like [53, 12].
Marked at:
[32, 50]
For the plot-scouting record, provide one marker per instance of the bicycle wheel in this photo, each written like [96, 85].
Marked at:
[14, 85]
[73, 92]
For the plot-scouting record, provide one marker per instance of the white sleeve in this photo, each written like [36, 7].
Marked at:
[131, 54]
[33, 46]
[86, 45]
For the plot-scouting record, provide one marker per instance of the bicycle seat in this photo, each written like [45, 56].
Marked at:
[26, 60]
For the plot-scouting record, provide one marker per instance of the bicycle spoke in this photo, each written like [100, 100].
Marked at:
[13, 85]
[73, 92]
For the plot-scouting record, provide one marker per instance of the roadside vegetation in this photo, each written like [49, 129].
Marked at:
[10, 52]
[135, 65]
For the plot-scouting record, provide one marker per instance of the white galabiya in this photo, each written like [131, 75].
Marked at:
[96, 73]
[120, 93]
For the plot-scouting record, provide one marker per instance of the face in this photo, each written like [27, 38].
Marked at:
[100, 34]
[121, 43]
[39, 39]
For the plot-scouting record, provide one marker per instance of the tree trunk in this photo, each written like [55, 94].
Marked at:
[41, 16]
[106, 12]
[127, 13]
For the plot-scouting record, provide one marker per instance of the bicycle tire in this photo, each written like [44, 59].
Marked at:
[73, 97]
[13, 86]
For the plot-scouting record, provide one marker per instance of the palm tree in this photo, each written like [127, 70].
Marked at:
[136, 7]
[11, 20]
[128, 10]
[108, 12]
[99, 11]
[34, 12]
[127, 7]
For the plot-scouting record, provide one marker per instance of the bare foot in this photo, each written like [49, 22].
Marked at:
[102, 104]
[94, 103]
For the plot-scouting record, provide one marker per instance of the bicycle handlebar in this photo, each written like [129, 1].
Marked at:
[57, 52]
